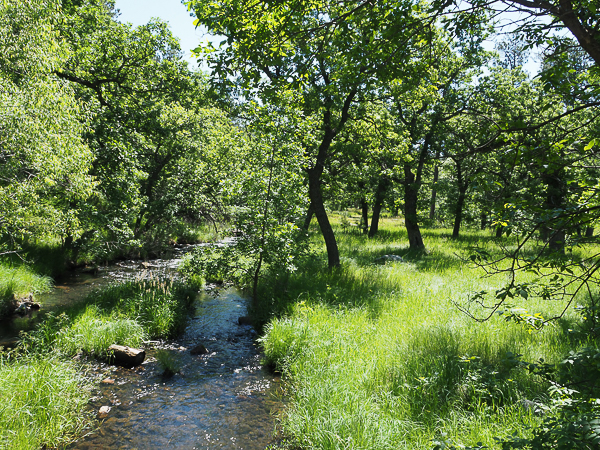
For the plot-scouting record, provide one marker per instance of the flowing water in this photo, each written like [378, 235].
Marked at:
[223, 399]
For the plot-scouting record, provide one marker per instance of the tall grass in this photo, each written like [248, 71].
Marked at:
[19, 281]
[125, 313]
[41, 405]
[379, 357]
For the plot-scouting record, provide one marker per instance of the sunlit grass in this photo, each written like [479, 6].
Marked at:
[19, 281]
[379, 356]
[41, 405]
[125, 314]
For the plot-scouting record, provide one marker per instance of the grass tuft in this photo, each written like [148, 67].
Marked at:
[42, 401]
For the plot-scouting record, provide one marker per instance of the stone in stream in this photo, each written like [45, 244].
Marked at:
[103, 413]
[245, 320]
[125, 356]
[199, 350]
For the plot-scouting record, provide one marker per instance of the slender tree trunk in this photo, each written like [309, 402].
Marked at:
[483, 218]
[460, 202]
[314, 179]
[555, 194]
[316, 200]
[436, 174]
[379, 196]
[411, 221]
[589, 232]
[308, 218]
[364, 207]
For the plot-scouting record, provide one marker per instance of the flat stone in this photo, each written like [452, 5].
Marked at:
[108, 381]
[386, 258]
[126, 356]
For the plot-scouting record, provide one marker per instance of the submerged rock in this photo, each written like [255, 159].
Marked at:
[126, 356]
[245, 320]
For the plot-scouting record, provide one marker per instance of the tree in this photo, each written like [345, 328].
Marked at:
[153, 126]
[540, 21]
[327, 52]
[433, 91]
[44, 162]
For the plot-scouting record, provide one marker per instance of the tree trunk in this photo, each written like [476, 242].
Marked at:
[499, 231]
[459, 212]
[436, 174]
[411, 221]
[589, 232]
[364, 207]
[308, 218]
[379, 196]
[316, 200]
[460, 202]
[555, 192]
[483, 218]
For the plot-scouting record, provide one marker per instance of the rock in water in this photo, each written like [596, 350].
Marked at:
[245, 320]
[103, 413]
[199, 350]
[125, 356]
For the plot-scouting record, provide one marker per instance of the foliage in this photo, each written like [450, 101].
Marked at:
[18, 281]
[45, 162]
[268, 237]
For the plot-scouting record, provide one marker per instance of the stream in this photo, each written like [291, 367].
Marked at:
[223, 399]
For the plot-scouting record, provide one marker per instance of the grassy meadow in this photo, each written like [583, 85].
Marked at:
[378, 356]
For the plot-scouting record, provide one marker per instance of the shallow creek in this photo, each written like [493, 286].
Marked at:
[221, 400]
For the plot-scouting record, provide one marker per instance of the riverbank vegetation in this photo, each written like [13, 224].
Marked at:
[127, 313]
[46, 392]
[43, 402]
[378, 355]
[112, 147]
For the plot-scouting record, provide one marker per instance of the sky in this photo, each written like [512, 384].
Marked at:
[139, 12]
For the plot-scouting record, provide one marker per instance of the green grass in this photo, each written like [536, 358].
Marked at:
[19, 281]
[41, 403]
[168, 362]
[125, 314]
[379, 356]
[43, 394]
